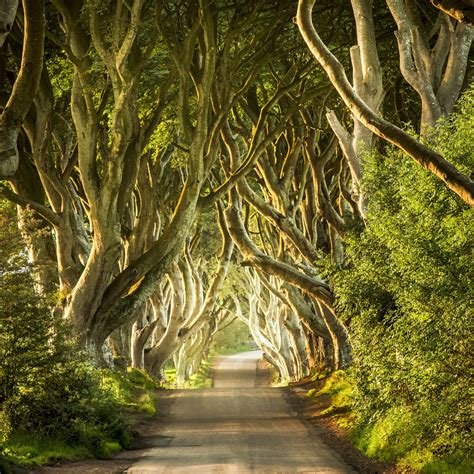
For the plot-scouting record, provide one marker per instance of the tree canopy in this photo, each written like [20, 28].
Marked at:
[178, 165]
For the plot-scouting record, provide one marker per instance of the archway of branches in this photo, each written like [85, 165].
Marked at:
[189, 163]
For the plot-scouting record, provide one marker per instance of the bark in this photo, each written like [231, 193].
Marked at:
[367, 84]
[305, 312]
[102, 300]
[297, 346]
[142, 329]
[157, 356]
[25, 86]
[459, 183]
[281, 218]
[322, 196]
[204, 313]
[299, 317]
[436, 73]
[274, 321]
[254, 256]
[8, 10]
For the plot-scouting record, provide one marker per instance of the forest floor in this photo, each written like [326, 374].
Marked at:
[147, 431]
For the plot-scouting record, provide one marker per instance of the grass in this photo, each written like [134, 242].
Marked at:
[396, 436]
[201, 379]
[133, 390]
[29, 451]
[393, 436]
[450, 465]
[338, 389]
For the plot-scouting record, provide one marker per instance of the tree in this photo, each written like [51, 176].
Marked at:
[27, 81]
[458, 182]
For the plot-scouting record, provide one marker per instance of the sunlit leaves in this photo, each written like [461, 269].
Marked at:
[406, 291]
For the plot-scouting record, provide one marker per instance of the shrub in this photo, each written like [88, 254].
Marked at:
[48, 388]
[405, 292]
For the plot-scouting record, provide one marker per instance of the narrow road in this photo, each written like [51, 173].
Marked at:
[235, 428]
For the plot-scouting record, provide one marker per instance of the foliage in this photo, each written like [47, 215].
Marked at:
[94, 436]
[53, 403]
[232, 338]
[405, 291]
[48, 391]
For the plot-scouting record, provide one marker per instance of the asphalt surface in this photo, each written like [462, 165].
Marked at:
[235, 427]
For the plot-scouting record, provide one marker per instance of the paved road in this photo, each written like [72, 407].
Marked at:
[235, 428]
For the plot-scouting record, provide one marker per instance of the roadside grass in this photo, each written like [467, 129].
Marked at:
[393, 437]
[27, 451]
[201, 379]
[134, 392]
[338, 389]
[397, 437]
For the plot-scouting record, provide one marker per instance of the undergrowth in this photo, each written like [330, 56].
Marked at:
[399, 435]
[130, 392]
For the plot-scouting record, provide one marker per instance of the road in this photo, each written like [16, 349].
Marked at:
[235, 427]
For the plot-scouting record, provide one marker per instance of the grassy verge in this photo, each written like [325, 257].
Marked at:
[395, 436]
[201, 379]
[134, 394]
[135, 390]
[338, 390]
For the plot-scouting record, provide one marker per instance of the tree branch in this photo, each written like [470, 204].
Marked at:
[25, 86]
[459, 183]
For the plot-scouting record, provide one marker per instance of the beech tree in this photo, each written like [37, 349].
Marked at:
[180, 165]
[458, 182]
[165, 112]
[367, 84]
[27, 80]
[89, 163]
[436, 73]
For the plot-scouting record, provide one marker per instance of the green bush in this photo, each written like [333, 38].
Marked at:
[48, 388]
[405, 292]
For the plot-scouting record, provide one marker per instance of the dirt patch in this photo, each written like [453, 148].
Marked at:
[324, 427]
